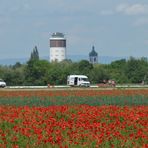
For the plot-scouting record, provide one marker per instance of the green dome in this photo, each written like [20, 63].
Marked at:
[93, 52]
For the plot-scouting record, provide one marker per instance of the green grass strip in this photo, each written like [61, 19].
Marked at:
[72, 100]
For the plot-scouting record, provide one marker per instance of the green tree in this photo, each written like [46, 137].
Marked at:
[117, 70]
[85, 67]
[98, 74]
[58, 72]
[14, 76]
[34, 54]
[17, 65]
[136, 70]
[36, 72]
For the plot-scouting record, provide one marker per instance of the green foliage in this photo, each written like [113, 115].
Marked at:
[13, 75]
[36, 72]
[117, 71]
[34, 54]
[84, 66]
[41, 72]
[136, 70]
[73, 100]
[98, 74]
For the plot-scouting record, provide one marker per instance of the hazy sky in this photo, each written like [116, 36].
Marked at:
[114, 27]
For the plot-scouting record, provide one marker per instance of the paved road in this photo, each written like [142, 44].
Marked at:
[65, 87]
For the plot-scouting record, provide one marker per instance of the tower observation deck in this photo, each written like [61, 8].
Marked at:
[57, 47]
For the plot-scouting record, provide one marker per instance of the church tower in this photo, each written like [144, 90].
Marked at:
[93, 56]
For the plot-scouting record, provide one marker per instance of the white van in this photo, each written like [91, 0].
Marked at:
[78, 80]
[2, 83]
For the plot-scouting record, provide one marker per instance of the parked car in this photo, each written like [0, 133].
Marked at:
[2, 83]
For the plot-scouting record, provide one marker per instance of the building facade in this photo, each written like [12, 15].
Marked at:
[57, 47]
[93, 56]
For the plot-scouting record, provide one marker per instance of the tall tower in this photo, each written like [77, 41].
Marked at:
[57, 47]
[93, 56]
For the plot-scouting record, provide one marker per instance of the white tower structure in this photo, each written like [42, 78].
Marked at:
[57, 47]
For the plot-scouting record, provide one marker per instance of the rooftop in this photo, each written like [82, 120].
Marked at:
[58, 35]
[93, 52]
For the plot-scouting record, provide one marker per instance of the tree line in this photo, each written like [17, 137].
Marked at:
[41, 72]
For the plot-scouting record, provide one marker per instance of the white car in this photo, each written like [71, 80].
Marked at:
[2, 83]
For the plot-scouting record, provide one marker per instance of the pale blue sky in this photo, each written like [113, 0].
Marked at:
[114, 27]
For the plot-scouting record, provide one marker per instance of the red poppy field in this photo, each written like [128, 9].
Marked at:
[76, 123]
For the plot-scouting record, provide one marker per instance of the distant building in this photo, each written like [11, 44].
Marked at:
[57, 47]
[93, 56]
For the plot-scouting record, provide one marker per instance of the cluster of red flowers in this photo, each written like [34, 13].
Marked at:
[77, 125]
[73, 92]
[73, 125]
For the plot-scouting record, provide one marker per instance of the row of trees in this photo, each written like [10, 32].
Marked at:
[41, 72]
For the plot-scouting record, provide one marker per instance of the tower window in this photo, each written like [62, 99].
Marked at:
[57, 43]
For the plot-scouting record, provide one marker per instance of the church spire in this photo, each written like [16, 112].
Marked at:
[93, 56]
